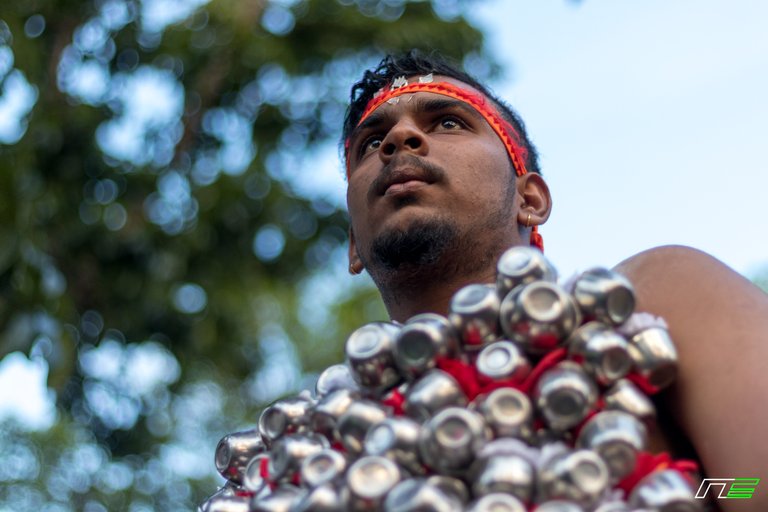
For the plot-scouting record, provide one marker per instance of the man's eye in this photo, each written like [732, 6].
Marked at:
[370, 144]
[451, 123]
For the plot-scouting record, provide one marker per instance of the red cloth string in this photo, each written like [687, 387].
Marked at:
[506, 132]
[599, 406]
[642, 383]
[264, 472]
[546, 362]
[473, 384]
[464, 373]
[536, 240]
[648, 463]
[490, 385]
[395, 400]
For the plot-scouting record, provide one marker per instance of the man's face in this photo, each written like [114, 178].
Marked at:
[429, 162]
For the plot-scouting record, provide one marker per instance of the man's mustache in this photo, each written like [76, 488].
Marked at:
[409, 165]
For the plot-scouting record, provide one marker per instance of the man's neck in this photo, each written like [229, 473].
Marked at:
[406, 294]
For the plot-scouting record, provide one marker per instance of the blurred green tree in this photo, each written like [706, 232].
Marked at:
[166, 247]
[760, 278]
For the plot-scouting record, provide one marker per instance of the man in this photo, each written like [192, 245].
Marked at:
[442, 179]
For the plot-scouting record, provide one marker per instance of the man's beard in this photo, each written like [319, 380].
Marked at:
[424, 254]
[423, 244]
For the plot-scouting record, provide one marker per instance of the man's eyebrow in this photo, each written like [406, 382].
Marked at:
[374, 120]
[432, 105]
[428, 105]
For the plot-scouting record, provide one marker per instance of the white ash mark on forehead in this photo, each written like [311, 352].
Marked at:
[398, 82]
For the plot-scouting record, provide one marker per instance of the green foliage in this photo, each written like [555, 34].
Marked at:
[760, 278]
[154, 211]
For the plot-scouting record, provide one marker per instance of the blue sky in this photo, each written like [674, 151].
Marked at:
[650, 120]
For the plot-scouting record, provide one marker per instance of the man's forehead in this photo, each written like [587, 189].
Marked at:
[401, 81]
[387, 100]
[439, 78]
[416, 101]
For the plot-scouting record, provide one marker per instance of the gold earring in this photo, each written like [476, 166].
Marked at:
[528, 220]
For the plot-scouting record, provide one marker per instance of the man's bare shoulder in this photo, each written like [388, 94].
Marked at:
[719, 321]
[688, 286]
[676, 262]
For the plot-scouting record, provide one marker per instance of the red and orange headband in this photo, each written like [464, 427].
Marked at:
[505, 131]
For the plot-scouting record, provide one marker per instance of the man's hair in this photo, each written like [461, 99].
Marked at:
[416, 63]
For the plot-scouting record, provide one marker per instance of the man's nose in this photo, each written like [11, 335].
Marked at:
[405, 136]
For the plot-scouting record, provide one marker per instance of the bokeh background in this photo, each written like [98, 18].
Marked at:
[172, 220]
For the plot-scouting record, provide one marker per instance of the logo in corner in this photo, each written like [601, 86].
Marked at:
[729, 488]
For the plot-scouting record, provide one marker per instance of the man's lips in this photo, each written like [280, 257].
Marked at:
[408, 186]
[403, 180]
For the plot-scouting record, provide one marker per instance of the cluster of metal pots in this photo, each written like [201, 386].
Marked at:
[529, 395]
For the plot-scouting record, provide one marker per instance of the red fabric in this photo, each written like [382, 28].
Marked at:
[642, 383]
[496, 384]
[599, 406]
[536, 240]
[547, 362]
[395, 400]
[464, 373]
[648, 463]
[488, 384]
[264, 472]
[473, 338]
[688, 468]
[508, 135]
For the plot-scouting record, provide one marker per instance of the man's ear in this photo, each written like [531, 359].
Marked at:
[355, 264]
[535, 200]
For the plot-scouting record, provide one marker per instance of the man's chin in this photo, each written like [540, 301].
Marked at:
[409, 213]
[412, 243]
